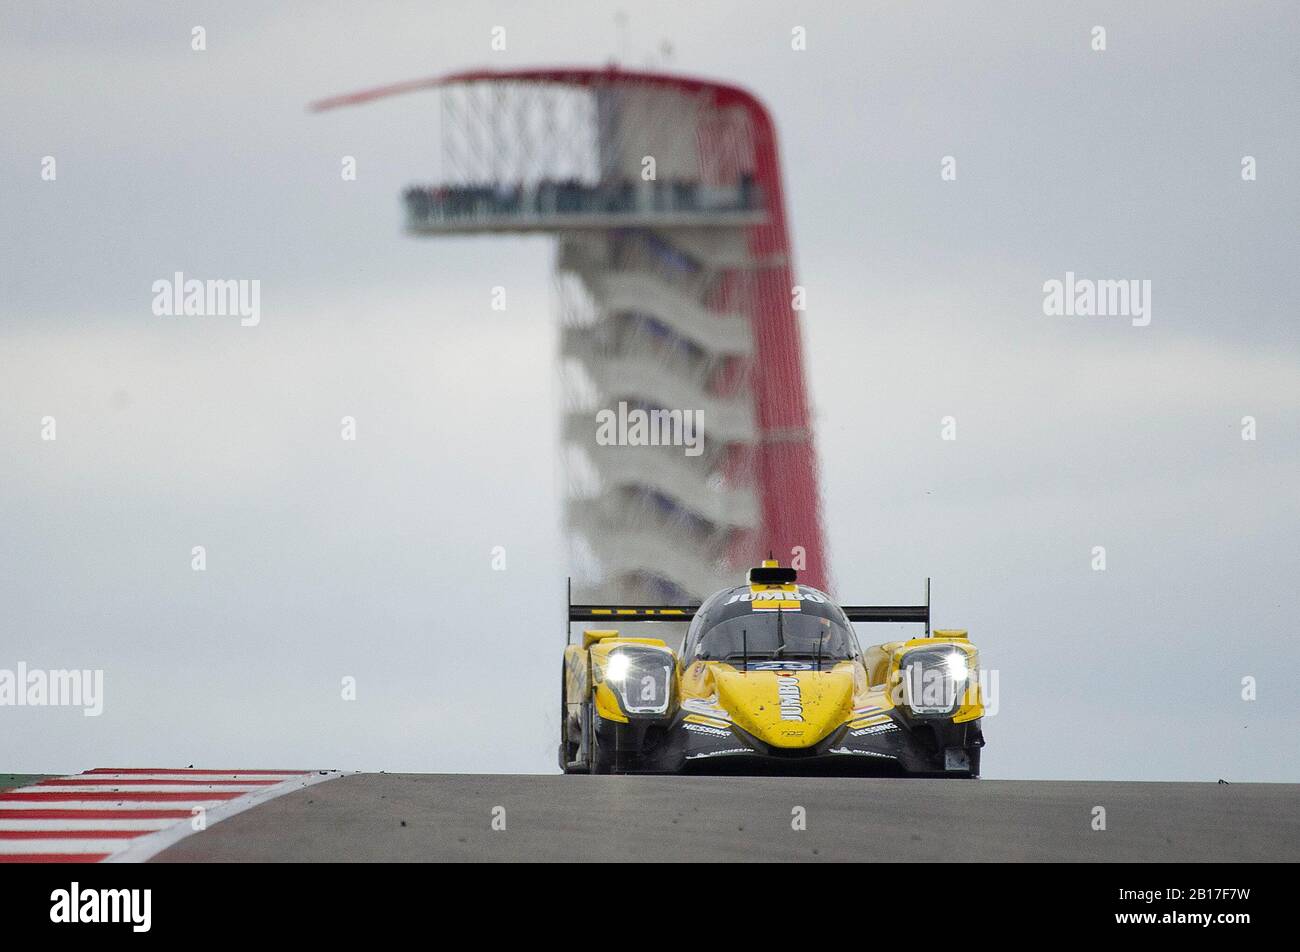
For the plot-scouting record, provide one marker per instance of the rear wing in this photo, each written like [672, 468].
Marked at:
[920, 614]
[907, 614]
[632, 612]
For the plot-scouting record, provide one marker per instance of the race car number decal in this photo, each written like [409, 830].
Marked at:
[779, 666]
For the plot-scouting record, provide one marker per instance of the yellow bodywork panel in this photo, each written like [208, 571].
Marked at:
[876, 658]
[869, 721]
[607, 704]
[784, 708]
[775, 590]
[702, 719]
[593, 635]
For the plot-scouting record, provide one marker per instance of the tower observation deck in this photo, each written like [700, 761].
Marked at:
[675, 287]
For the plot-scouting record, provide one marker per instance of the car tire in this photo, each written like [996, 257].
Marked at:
[598, 761]
[568, 749]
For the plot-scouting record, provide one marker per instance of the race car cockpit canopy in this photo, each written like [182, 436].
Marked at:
[792, 622]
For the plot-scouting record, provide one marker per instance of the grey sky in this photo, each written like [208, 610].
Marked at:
[372, 559]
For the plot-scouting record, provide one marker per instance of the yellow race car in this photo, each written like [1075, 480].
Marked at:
[769, 679]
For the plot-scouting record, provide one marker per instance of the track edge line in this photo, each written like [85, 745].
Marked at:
[150, 845]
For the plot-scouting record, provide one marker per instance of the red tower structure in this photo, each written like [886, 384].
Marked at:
[678, 293]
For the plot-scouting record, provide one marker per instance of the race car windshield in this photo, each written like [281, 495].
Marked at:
[777, 634]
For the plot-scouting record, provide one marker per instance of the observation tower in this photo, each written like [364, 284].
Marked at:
[676, 298]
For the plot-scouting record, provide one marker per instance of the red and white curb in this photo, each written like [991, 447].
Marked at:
[129, 815]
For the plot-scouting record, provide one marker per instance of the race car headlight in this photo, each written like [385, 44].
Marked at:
[642, 678]
[618, 667]
[934, 681]
[957, 667]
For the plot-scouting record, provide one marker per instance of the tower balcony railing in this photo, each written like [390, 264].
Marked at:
[631, 541]
[637, 375]
[551, 205]
[670, 474]
[586, 254]
[615, 292]
[579, 425]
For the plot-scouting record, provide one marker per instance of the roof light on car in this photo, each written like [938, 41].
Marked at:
[771, 573]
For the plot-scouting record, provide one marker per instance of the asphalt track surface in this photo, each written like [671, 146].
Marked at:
[447, 817]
